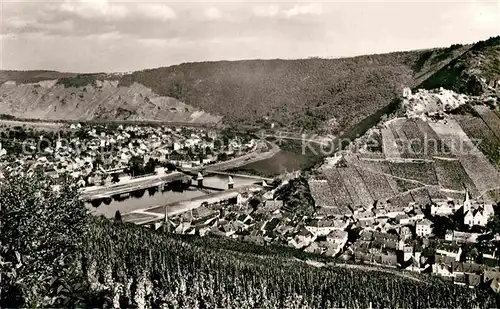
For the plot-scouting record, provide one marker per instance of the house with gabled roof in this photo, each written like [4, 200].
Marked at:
[443, 266]
[449, 249]
[443, 208]
[322, 227]
[337, 236]
[423, 228]
[302, 239]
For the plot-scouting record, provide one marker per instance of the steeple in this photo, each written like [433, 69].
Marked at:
[200, 180]
[467, 202]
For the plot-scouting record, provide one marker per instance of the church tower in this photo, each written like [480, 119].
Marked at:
[467, 202]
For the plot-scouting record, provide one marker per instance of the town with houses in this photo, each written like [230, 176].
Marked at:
[245, 154]
[99, 155]
[405, 237]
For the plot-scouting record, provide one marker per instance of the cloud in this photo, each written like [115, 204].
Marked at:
[266, 11]
[15, 24]
[159, 11]
[128, 34]
[159, 42]
[94, 9]
[486, 14]
[305, 9]
[212, 13]
[104, 9]
[275, 10]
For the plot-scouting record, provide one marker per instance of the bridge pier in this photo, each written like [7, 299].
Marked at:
[200, 180]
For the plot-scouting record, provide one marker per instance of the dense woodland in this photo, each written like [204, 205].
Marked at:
[472, 72]
[55, 255]
[299, 93]
[321, 95]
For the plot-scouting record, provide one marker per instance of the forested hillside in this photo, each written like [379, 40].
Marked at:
[321, 95]
[31, 76]
[326, 95]
[305, 94]
[475, 72]
[55, 255]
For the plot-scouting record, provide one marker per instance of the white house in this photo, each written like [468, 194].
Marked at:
[364, 215]
[443, 266]
[338, 237]
[451, 250]
[302, 239]
[394, 210]
[407, 252]
[424, 228]
[405, 233]
[418, 214]
[404, 219]
[444, 208]
[476, 217]
[324, 227]
[177, 146]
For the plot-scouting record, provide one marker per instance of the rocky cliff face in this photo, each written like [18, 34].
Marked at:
[424, 103]
[96, 100]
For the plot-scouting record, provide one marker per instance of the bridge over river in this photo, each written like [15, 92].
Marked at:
[157, 213]
[158, 180]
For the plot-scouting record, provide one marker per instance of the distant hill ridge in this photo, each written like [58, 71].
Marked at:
[320, 95]
[83, 97]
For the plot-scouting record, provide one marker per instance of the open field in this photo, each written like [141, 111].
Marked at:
[435, 146]
[401, 200]
[421, 196]
[487, 141]
[416, 138]
[338, 188]
[422, 172]
[378, 170]
[440, 162]
[377, 184]
[406, 147]
[46, 126]
[481, 172]
[390, 148]
[320, 191]
[405, 185]
[356, 186]
[490, 117]
[451, 175]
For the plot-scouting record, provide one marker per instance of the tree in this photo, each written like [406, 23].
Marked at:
[218, 144]
[118, 216]
[42, 233]
[149, 168]
[169, 166]
[493, 224]
[222, 156]
[115, 178]
[254, 203]
[136, 166]
[208, 151]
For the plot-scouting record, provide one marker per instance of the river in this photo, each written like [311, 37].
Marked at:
[293, 156]
[150, 199]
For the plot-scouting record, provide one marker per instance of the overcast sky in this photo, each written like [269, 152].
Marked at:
[107, 36]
